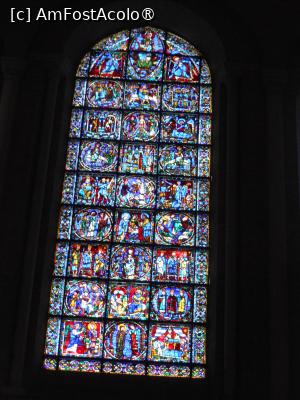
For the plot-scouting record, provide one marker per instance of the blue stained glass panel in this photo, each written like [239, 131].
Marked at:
[138, 158]
[82, 70]
[171, 303]
[85, 298]
[56, 296]
[68, 188]
[136, 191]
[98, 156]
[92, 224]
[108, 64]
[205, 129]
[95, 189]
[205, 72]
[145, 66]
[177, 160]
[205, 99]
[128, 301]
[140, 126]
[134, 226]
[180, 98]
[199, 345]
[200, 304]
[131, 262]
[180, 128]
[52, 336]
[147, 39]
[88, 261]
[201, 269]
[169, 343]
[104, 94]
[175, 229]
[173, 265]
[72, 155]
[130, 275]
[142, 96]
[79, 93]
[125, 341]
[76, 120]
[81, 338]
[182, 69]
[179, 194]
[101, 124]
[64, 224]
[60, 259]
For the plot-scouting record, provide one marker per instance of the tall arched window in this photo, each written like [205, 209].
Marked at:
[129, 289]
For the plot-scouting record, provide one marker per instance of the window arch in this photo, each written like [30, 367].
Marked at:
[129, 288]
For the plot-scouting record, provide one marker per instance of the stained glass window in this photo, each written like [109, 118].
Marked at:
[130, 276]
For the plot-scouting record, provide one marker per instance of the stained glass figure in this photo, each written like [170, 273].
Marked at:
[173, 265]
[88, 261]
[179, 194]
[180, 98]
[146, 66]
[147, 39]
[169, 342]
[130, 301]
[175, 229]
[134, 227]
[142, 96]
[92, 224]
[177, 160]
[94, 189]
[182, 69]
[136, 191]
[84, 298]
[98, 156]
[138, 158]
[129, 291]
[101, 124]
[171, 303]
[140, 126]
[179, 128]
[128, 262]
[107, 65]
[125, 341]
[81, 338]
[104, 94]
